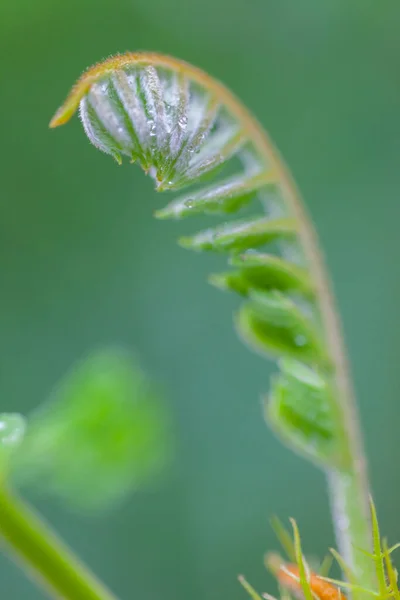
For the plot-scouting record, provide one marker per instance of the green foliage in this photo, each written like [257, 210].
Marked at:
[240, 235]
[296, 578]
[302, 411]
[180, 128]
[260, 271]
[249, 588]
[184, 127]
[266, 271]
[228, 196]
[103, 434]
[271, 323]
[303, 574]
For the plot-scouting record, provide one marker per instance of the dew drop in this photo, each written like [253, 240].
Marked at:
[152, 128]
[12, 429]
[300, 340]
[182, 121]
[189, 203]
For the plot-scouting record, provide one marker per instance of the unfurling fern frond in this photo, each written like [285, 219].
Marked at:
[183, 128]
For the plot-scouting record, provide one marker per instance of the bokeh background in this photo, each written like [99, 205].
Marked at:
[83, 263]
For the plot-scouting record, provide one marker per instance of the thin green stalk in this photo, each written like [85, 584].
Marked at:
[44, 556]
[348, 490]
[351, 526]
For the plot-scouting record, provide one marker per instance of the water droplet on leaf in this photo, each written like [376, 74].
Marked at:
[152, 128]
[300, 340]
[104, 87]
[12, 429]
[182, 122]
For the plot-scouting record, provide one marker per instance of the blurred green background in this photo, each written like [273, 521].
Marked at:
[83, 263]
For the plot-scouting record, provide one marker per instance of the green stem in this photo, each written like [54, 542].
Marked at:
[351, 525]
[348, 490]
[49, 561]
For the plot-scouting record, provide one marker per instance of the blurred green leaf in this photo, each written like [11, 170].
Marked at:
[104, 434]
[225, 197]
[266, 271]
[302, 412]
[231, 281]
[240, 235]
[263, 272]
[273, 324]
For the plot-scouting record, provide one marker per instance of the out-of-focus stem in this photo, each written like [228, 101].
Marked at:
[51, 564]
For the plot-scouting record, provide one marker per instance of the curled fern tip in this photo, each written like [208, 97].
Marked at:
[184, 128]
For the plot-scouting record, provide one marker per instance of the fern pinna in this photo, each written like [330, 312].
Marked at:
[183, 128]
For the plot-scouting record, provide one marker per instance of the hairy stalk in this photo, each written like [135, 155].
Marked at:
[180, 125]
[43, 555]
[349, 490]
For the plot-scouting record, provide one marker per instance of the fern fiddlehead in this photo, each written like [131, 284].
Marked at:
[182, 127]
